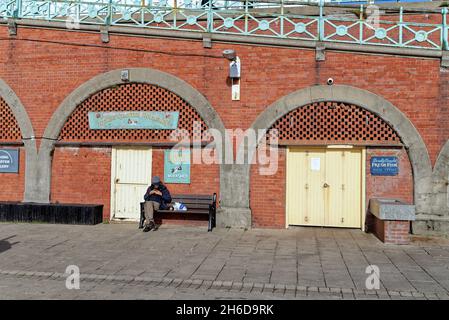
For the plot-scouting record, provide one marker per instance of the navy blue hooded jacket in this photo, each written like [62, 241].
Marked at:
[163, 200]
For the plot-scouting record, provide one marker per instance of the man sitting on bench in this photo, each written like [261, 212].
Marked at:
[157, 197]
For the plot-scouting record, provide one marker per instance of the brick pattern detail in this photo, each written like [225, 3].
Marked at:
[83, 175]
[389, 231]
[267, 193]
[131, 97]
[13, 184]
[334, 122]
[10, 130]
[398, 187]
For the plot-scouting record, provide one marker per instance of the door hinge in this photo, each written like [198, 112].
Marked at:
[307, 186]
[306, 219]
[342, 220]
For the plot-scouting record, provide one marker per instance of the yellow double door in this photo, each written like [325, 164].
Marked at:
[324, 187]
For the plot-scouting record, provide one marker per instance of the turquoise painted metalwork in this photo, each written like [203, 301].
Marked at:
[133, 120]
[259, 19]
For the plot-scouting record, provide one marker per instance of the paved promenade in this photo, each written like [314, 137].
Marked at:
[118, 261]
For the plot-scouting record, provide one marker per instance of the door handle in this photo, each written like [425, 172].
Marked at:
[117, 180]
[325, 185]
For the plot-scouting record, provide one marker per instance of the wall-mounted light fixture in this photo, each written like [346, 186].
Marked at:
[234, 72]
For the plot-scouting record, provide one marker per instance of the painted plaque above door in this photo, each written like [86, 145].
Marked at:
[158, 120]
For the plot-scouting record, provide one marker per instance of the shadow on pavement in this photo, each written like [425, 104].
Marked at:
[5, 244]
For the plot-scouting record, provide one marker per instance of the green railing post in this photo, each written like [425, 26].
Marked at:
[246, 16]
[361, 24]
[175, 13]
[401, 25]
[108, 19]
[17, 13]
[282, 18]
[210, 17]
[444, 44]
[321, 22]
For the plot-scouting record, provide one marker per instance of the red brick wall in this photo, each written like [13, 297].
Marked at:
[82, 175]
[399, 187]
[204, 179]
[267, 195]
[397, 232]
[393, 232]
[44, 66]
[12, 184]
[43, 72]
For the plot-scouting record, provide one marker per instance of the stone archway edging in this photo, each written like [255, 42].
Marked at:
[437, 221]
[17, 109]
[26, 128]
[416, 148]
[38, 188]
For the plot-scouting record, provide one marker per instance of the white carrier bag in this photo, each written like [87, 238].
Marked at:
[178, 206]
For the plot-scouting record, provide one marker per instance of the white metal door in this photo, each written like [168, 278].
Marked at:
[131, 175]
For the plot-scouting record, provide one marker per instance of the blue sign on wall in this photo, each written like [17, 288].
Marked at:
[384, 166]
[134, 120]
[177, 166]
[9, 160]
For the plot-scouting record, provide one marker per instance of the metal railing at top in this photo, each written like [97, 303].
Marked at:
[364, 24]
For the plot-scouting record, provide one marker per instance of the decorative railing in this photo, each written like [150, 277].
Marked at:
[269, 18]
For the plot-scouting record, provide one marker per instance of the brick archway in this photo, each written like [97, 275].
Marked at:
[38, 190]
[411, 139]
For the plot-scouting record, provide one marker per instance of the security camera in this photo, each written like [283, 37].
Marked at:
[229, 54]
[330, 81]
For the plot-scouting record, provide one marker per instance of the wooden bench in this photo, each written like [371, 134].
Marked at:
[199, 207]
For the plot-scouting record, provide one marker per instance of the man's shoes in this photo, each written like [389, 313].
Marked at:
[149, 226]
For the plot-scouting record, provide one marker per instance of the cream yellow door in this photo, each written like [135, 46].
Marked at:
[324, 187]
[343, 188]
[305, 194]
[131, 175]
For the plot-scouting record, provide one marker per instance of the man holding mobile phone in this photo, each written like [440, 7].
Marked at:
[157, 197]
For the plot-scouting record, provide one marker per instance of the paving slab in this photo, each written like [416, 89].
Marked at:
[294, 263]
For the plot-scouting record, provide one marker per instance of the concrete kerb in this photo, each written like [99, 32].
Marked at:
[416, 148]
[38, 186]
